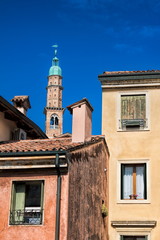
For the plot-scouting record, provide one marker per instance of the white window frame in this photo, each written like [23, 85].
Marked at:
[133, 161]
[130, 93]
[28, 209]
[133, 232]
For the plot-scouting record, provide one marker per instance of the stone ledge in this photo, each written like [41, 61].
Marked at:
[137, 224]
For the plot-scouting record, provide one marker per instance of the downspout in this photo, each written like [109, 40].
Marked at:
[58, 199]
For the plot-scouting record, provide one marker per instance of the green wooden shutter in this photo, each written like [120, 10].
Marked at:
[140, 111]
[20, 196]
[124, 107]
[12, 204]
[19, 201]
[133, 106]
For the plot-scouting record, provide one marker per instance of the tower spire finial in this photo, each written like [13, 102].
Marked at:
[55, 46]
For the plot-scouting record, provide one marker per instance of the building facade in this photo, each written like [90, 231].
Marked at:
[130, 121]
[55, 188]
[54, 110]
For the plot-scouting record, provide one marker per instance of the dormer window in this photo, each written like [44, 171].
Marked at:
[54, 121]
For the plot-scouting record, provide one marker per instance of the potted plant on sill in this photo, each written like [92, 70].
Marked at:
[133, 196]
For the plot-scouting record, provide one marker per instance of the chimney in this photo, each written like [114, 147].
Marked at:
[81, 120]
[22, 103]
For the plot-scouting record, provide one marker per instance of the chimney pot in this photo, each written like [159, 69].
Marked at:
[22, 103]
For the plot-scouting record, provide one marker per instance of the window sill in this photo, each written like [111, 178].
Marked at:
[133, 130]
[135, 201]
[26, 225]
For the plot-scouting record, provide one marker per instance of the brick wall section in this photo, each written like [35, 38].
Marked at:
[88, 186]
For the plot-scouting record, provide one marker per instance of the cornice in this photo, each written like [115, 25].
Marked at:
[121, 86]
[135, 224]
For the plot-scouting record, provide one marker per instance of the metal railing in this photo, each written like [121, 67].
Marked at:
[26, 217]
[129, 123]
[53, 126]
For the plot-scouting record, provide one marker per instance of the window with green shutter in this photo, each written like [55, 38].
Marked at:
[27, 203]
[133, 111]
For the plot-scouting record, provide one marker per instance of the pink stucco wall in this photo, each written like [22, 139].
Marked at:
[46, 231]
[81, 123]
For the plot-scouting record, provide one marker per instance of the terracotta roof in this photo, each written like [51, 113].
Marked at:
[55, 144]
[130, 72]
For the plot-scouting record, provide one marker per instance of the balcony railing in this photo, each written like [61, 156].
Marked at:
[54, 126]
[26, 217]
[133, 123]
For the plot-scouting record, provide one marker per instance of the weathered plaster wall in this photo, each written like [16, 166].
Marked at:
[88, 186]
[143, 145]
[46, 231]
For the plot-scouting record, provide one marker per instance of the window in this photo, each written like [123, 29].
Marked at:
[27, 201]
[133, 238]
[54, 121]
[133, 181]
[133, 112]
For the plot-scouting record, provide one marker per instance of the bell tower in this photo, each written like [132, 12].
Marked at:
[53, 109]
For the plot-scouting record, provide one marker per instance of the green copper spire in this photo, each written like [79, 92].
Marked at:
[55, 69]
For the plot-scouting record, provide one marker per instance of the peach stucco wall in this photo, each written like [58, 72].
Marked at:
[6, 126]
[143, 145]
[46, 231]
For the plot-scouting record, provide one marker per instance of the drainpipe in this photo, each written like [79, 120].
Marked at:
[58, 199]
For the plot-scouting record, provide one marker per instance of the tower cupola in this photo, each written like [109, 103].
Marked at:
[55, 68]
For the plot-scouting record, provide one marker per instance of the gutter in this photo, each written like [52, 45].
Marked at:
[58, 199]
[35, 153]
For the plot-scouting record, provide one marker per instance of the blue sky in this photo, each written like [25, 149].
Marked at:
[93, 36]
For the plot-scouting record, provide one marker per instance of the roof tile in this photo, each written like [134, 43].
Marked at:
[37, 145]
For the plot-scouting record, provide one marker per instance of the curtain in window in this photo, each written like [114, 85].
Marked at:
[127, 182]
[140, 182]
[133, 107]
